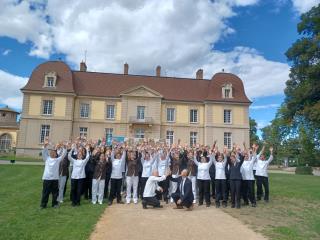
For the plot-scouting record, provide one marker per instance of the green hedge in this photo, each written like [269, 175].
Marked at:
[304, 170]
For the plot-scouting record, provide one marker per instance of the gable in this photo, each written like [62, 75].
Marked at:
[141, 91]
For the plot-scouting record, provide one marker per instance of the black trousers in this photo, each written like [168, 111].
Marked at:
[204, 191]
[115, 190]
[49, 186]
[213, 187]
[221, 193]
[228, 189]
[76, 190]
[143, 181]
[165, 186]
[262, 181]
[152, 201]
[87, 188]
[247, 187]
[106, 186]
[176, 197]
[235, 187]
[65, 186]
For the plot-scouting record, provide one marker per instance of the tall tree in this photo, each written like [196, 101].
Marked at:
[302, 91]
[253, 131]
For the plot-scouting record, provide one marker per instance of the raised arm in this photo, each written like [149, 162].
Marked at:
[63, 154]
[271, 155]
[195, 159]
[71, 159]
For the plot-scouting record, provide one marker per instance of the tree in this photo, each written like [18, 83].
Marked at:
[253, 131]
[302, 91]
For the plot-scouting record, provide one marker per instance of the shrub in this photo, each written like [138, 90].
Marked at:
[304, 170]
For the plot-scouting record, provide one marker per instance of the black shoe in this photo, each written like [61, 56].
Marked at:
[208, 204]
[238, 206]
[120, 202]
[224, 205]
[258, 198]
[245, 203]
[56, 206]
[167, 201]
[43, 207]
[217, 205]
[253, 205]
[110, 203]
[266, 201]
[200, 204]
[232, 206]
[73, 205]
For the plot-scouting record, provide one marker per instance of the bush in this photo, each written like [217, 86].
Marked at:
[304, 170]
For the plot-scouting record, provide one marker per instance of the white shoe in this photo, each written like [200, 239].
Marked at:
[61, 201]
[94, 203]
[194, 201]
[135, 201]
[100, 203]
[171, 200]
[128, 202]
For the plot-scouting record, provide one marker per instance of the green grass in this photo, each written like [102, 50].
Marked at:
[20, 158]
[21, 217]
[293, 212]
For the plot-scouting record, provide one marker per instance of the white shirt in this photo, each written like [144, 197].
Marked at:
[51, 167]
[220, 168]
[78, 169]
[247, 169]
[203, 168]
[117, 165]
[152, 186]
[163, 165]
[262, 166]
[146, 166]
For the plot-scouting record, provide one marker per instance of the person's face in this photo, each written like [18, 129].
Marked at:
[184, 173]
[190, 155]
[118, 156]
[246, 156]
[155, 173]
[102, 157]
[262, 157]
[233, 158]
[203, 159]
[53, 154]
[220, 158]
[132, 156]
[80, 155]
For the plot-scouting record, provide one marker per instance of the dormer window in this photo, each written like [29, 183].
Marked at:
[227, 91]
[50, 80]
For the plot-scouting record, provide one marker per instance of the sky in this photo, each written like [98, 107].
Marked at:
[246, 37]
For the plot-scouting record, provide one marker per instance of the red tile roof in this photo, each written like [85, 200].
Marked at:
[111, 85]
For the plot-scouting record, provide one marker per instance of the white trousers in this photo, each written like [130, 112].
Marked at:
[62, 183]
[97, 190]
[194, 185]
[173, 185]
[132, 182]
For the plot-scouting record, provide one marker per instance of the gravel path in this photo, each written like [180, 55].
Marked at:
[131, 222]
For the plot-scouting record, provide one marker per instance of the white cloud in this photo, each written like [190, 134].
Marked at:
[6, 52]
[262, 123]
[178, 35]
[272, 105]
[10, 89]
[303, 6]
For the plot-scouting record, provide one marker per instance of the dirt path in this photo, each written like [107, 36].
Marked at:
[131, 222]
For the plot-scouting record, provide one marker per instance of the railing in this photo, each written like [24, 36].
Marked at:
[146, 120]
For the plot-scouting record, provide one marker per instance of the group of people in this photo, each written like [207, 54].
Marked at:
[153, 172]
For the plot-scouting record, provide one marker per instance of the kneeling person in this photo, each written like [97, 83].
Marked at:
[149, 193]
[183, 197]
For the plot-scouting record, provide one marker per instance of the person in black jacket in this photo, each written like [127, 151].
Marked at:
[235, 178]
[183, 197]
[89, 169]
[108, 172]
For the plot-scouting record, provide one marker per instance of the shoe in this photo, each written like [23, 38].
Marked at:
[41, 207]
[121, 202]
[144, 204]
[144, 207]
[171, 200]
[253, 205]
[266, 201]
[109, 203]
[167, 201]
[61, 201]
[208, 205]
[178, 207]
[128, 202]
[258, 198]
[190, 208]
[238, 206]
[135, 202]
[245, 203]
[232, 206]
[194, 201]
[217, 206]
[100, 203]
[94, 203]
[200, 204]
[224, 205]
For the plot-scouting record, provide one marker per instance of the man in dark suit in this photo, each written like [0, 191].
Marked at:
[183, 197]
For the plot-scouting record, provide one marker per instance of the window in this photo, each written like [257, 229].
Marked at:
[140, 112]
[44, 132]
[227, 91]
[169, 137]
[227, 139]
[47, 107]
[50, 81]
[227, 116]
[170, 114]
[139, 133]
[5, 142]
[83, 132]
[84, 110]
[109, 134]
[193, 115]
[193, 138]
[110, 111]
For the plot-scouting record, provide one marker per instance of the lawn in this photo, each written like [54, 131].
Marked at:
[21, 217]
[20, 158]
[293, 212]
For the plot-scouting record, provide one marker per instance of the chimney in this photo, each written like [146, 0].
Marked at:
[126, 69]
[199, 74]
[158, 71]
[83, 66]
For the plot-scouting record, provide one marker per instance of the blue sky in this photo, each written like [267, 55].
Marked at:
[245, 37]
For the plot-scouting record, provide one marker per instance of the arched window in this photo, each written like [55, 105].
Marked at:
[5, 142]
[50, 80]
